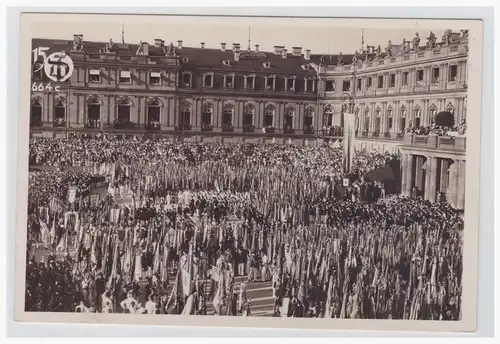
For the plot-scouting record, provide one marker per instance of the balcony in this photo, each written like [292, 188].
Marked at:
[400, 136]
[93, 124]
[122, 124]
[59, 123]
[309, 130]
[387, 135]
[207, 127]
[227, 127]
[289, 130]
[185, 127]
[334, 131]
[364, 133]
[248, 128]
[433, 141]
[376, 134]
[269, 130]
[36, 122]
[153, 126]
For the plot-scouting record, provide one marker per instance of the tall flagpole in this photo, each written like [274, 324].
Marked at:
[123, 35]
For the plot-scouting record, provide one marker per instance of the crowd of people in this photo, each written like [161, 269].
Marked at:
[457, 130]
[204, 213]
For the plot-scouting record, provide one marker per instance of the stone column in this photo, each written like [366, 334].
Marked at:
[408, 175]
[431, 179]
[451, 192]
[419, 162]
[445, 164]
[461, 185]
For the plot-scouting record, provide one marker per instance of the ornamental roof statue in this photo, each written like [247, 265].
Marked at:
[431, 40]
[339, 60]
[416, 41]
[171, 50]
[140, 50]
[388, 49]
[77, 42]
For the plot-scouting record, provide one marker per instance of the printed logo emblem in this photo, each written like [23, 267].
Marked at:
[58, 66]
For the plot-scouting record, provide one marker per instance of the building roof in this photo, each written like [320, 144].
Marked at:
[206, 58]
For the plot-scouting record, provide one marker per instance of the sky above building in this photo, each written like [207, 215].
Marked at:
[320, 35]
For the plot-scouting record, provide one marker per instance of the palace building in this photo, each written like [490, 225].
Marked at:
[235, 94]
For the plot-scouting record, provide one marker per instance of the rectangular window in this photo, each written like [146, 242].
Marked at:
[453, 73]
[186, 79]
[208, 80]
[420, 76]
[346, 86]
[290, 84]
[380, 83]
[250, 82]
[435, 75]
[369, 83]
[154, 78]
[392, 80]
[405, 78]
[330, 86]
[309, 85]
[358, 84]
[229, 81]
[270, 83]
[125, 77]
[95, 75]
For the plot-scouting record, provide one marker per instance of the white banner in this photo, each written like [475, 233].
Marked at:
[72, 194]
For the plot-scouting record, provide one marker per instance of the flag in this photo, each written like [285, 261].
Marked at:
[349, 139]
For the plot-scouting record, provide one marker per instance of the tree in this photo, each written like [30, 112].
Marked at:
[445, 119]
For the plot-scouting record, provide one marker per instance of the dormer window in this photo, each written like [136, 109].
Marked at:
[310, 85]
[226, 62]
[208, 80]
[290, 84]
[250, 82]
[185, 60]
[155, 78]
[186, 79]
[125, 77]
[267, 64]
[229, 81]
[306, 67]
[330, 86]
[270, 83]
[346, 86]
[94, 75]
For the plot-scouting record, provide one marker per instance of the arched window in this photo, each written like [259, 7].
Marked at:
[328, 116]
[248, 115]
[154, 113]
[93, 112]
[432, 114]
[402, 120]
[269, 116]
[378, 120]
[124, 108]
[309, 120]
[227, 117]
[60, 112]
[366, 123]
[185, 116]
[206, 116]
[417, 114]
[389, 121]
[289, 116]
[36, 112]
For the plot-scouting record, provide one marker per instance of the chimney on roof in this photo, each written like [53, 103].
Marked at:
[296, 51]
[236, 47]
[278, 49]
[307, 54]
[284, 53]
[158, 43]
[81, 37]
[202, 44]
[179, 44]
[223, 46]
[145, 48]
[237, 55]
[75, 37]
[256, 47]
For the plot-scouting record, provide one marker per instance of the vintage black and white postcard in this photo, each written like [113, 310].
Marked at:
[249, 171]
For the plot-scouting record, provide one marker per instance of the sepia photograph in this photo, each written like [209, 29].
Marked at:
[233, 167]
